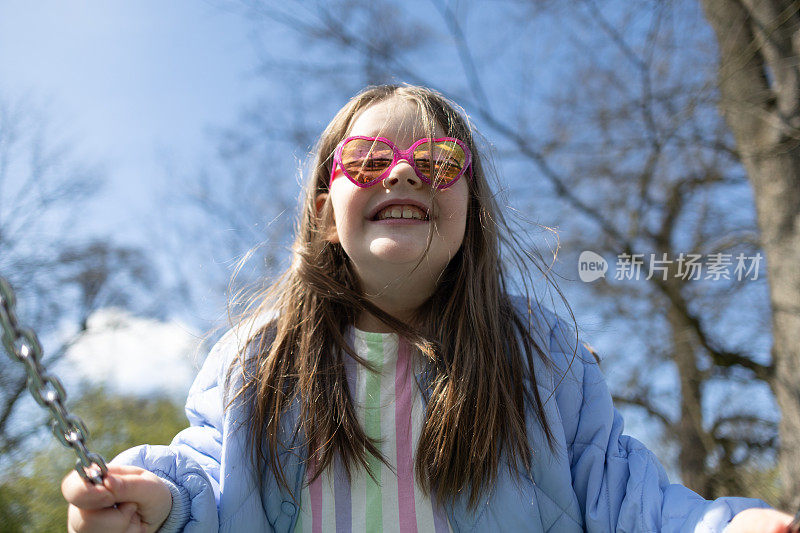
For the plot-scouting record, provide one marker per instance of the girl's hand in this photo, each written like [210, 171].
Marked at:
[142, 500]
[760, 520]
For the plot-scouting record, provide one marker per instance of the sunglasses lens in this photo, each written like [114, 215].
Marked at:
[365, 160]
[441, 162]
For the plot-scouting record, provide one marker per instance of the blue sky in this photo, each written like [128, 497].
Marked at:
[133, 84]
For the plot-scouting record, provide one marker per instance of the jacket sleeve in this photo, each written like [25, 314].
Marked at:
[190, 465]
[619, 483]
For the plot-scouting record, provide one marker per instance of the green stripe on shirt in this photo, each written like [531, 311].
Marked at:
[372, 427]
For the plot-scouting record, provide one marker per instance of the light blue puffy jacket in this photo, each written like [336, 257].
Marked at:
[597, 479]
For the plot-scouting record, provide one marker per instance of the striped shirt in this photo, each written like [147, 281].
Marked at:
[389, 407]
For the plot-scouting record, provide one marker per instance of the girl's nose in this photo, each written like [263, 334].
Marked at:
[403, 172]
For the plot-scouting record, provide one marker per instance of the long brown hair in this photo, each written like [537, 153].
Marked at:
[476, 349]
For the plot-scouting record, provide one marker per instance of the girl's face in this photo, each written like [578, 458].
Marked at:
[372, 224]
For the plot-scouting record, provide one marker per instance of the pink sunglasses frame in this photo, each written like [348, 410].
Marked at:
[398, 155]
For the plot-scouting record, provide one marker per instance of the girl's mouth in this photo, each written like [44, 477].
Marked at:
[401, 212]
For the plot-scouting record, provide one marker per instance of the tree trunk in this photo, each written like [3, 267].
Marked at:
[759, 82]
[689, 429]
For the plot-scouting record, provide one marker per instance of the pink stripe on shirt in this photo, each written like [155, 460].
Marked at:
[315, 491]
[405, 458]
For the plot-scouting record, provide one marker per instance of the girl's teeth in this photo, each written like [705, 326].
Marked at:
[401, 212]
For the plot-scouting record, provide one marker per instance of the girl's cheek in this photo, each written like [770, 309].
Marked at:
[455, 213]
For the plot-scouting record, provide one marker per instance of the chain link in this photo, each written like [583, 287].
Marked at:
[23, 345]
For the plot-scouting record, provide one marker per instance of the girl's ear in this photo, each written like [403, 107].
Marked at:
[325, 215]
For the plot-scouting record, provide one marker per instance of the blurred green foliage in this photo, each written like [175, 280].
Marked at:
[30, 486]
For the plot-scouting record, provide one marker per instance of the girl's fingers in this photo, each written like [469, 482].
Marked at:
[135, 524]
[111, 520]
[125, 469]
[142, 501]
[87, 495]
[122, 484]
[84, 494]
[147, 490]
[761, 521]
[142, 487]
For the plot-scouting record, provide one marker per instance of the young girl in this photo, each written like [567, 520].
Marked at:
[387, 381]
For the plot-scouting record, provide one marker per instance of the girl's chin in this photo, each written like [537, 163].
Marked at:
[397, 251]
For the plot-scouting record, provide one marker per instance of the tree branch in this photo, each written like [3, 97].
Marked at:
[719, 356]
[741, 418]
[465, 54]
[640, 400]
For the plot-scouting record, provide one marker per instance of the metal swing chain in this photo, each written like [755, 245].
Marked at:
[23, 345]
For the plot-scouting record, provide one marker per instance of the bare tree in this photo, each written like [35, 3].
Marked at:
[759, 82]
[640, 134]
[58, 278]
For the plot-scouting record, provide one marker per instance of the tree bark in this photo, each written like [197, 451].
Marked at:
[691, 436]
[759, 43]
